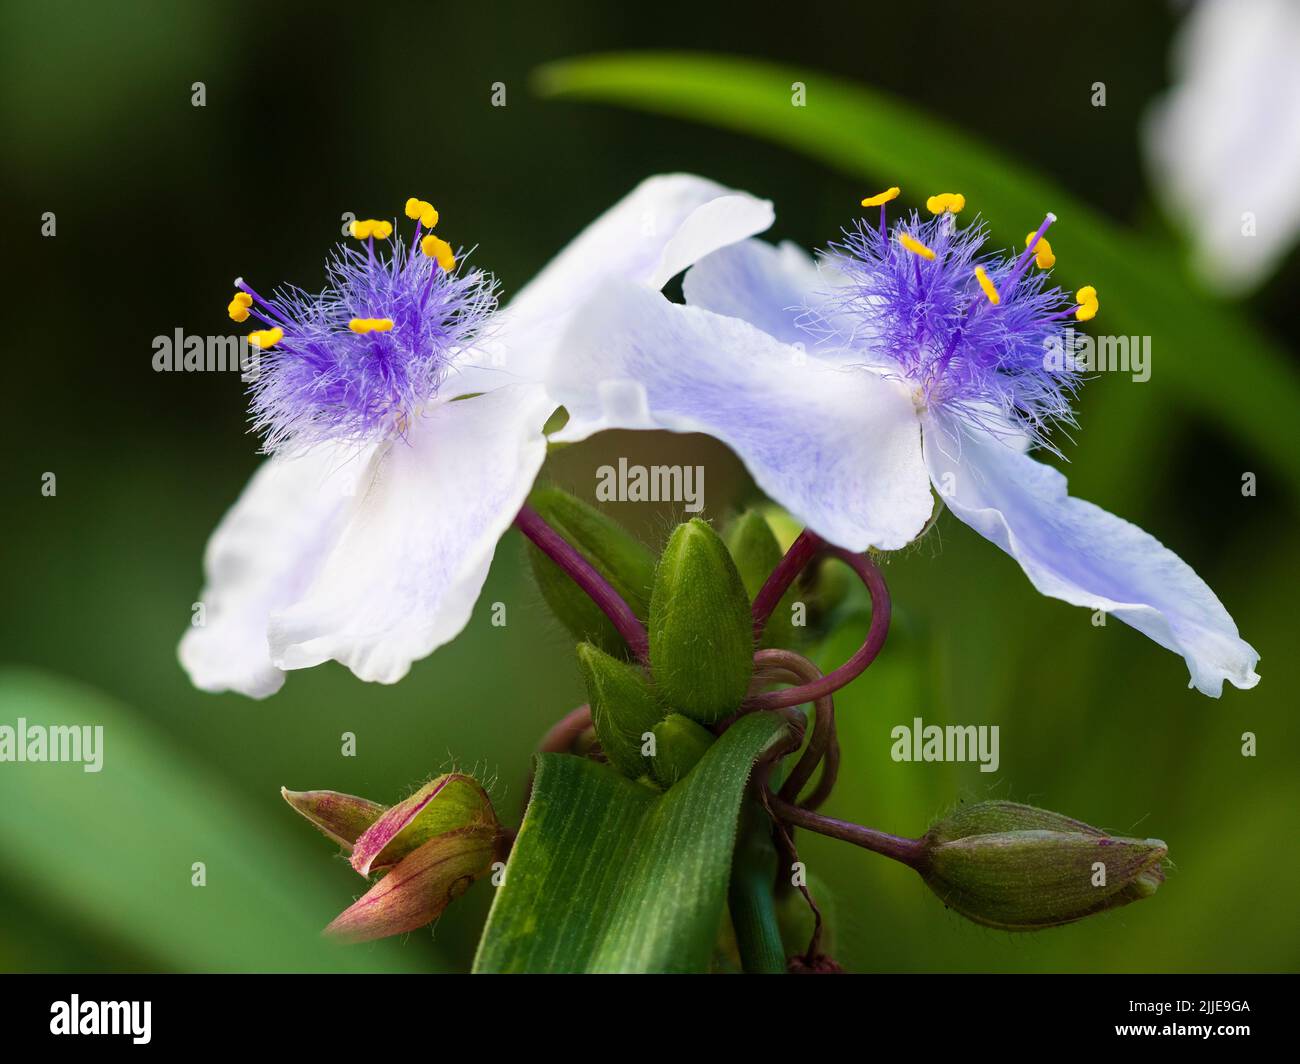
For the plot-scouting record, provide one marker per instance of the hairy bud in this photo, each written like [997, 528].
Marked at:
[1019, 868]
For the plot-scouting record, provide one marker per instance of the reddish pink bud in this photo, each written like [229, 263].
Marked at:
[343, 817]
[419, 887]
[445, 804]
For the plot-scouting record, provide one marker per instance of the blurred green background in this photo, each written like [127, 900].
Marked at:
[314, 110]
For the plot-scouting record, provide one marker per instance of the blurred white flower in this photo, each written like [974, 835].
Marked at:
[1224, 145]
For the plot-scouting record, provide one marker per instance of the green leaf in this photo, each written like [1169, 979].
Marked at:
[623, 708]
[750, 900]
[113, 850]
[607, 876]
[626, 563]
[1219, 362]
[701, 633]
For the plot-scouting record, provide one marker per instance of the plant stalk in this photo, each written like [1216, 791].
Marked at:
[750, 897]
[587, 577]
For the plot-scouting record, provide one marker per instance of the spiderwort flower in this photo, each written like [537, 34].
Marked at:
[908, 355]
[403, 414]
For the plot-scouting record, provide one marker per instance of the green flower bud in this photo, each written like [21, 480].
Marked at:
[1018, 868]
[701, 631]
[832, 585]
[755, 549]
[824, 586]
[783, 525]
[623, 708]
[622, 560]
[679, 744]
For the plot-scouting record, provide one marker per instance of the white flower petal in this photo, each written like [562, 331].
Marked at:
[712, 225]
[264, 553]
[1226, 140]
[1075, 551]
[838, 448]
[764, 285]
[658, 229]
[654, 232]
[419, 540]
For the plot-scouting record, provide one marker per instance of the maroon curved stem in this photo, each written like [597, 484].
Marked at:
[585, 575]
[565, 732]
[801, 552]
[823, 744]
[857, 664]
[830, 773]
[559, 739]
[906, 851]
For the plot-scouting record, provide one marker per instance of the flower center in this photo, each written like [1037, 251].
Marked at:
[968, 330]
[359, 360]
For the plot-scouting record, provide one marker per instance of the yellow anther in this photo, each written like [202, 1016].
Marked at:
[238, 311]
[987, 285]
[359, 325]
[381, 324]
[243, 299]
[1043, 254]
[266, 338]
[362, 326]
[946, 201]
[371, 227]
[881, 198]
[439, 249]
[915, 246]
[423, 210]
[1088, 304]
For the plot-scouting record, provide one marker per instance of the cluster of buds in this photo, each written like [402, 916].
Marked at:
[672, 650]
[426, 850]
[658, 699]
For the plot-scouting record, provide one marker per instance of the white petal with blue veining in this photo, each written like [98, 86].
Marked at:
[765, 285]
[408, 567]
[1077, 552]
[265, 552]
[839, 448]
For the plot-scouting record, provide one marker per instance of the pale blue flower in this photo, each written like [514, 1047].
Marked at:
[404, 415]
[850, 385]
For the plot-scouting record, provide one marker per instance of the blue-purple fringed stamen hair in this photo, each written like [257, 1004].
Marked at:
[978, 334]
[357, 361]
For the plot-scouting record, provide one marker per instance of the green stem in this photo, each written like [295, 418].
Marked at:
[750, 897]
